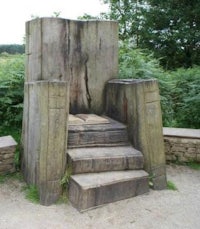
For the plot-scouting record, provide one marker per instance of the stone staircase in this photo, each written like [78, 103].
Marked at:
[104, 166]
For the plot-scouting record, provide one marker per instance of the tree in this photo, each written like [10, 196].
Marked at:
[12, 49]
[170, 28]
[130, 17]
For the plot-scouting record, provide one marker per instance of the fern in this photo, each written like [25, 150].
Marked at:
[11, 89]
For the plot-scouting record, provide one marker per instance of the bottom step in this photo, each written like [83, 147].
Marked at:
[90, 190]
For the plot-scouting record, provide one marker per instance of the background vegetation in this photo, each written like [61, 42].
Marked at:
[11, 89]
[11, 97]
[158, 39]
[12, 49]
[170, 28]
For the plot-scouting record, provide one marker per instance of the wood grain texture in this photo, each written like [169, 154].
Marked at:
[61, 53]
[94, 189]
[99, 159]
[45, 141]
[94, 60]
[137, 103]
[84, 52]
[112, 133]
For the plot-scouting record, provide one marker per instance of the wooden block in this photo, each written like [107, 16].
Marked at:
[99, 159]
[45, 137]
[94, 189]
[112, 133]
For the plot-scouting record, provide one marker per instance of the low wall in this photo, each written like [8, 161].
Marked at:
[182, 145]
[7, 153]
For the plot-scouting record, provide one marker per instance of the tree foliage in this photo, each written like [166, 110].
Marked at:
[170, 28]
[129, 14]
[185, 94]
[12, 49]
[137, 63]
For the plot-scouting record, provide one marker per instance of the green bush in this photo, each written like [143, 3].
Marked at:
[137, 63]
[11, 89]
[179, 90]
[186, 97]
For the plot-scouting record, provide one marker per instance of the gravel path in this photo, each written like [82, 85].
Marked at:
[156, 210]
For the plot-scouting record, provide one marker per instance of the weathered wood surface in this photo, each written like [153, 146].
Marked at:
[45, 137]
[137, 103]
[60, 52]
[90, 190]
[84, 52]
[101, 159]
[112, 133]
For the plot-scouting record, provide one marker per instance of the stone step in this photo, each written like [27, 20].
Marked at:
[103, 134]
[99, 159]
[94, 189]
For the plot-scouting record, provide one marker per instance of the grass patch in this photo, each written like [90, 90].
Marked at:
[65, 186]
[65, 179]
[32, 194]
[191, 164]
[171, 186]
[194, 165]
[11, 176]
[2, 179]
[63, 198]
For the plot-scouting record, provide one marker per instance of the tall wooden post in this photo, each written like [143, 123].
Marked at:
[45, 136]
[67, 66]
[46, 107]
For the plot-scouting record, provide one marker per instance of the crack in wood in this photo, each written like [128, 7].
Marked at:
[88, 96]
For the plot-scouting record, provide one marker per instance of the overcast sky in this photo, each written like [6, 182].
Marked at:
[14, 14]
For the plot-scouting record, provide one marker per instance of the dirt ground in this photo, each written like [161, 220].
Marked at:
[156, 210]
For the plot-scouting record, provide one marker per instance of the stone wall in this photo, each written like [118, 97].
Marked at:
[182, 145]
[7, 152]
